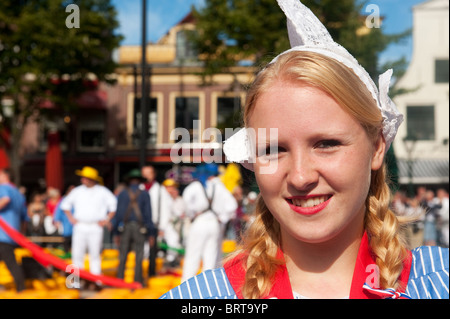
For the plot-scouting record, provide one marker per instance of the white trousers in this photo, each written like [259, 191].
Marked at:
[202, 245]
[172, 238]
[87, 237]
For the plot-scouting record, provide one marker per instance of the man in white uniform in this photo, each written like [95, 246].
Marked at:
[161, 202]
[93, 207]
[210, 206]
[172, 232]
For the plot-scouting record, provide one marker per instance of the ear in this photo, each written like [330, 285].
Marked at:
[378, 153]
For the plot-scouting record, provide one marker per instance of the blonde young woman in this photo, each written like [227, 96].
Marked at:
[323, 227]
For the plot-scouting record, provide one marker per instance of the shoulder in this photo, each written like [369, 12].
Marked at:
[429, 273]
[195, 185]
[193, 189]
[210, 284]
[5, 190]
[104, 190]
[77, 190]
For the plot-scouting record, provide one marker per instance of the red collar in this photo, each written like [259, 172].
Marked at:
[148, 185]
[362, 274]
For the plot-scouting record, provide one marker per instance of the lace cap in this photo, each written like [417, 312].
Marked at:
[307, 33]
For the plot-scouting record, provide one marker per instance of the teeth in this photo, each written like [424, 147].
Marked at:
[310, 202]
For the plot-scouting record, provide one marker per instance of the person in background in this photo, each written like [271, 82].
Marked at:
[430, 231]
[93, 207]
[53, 199]
[417, 212]
[173, 231]
[13, 211]
[210, 206]
[160, 201]
[62, 222]
[443, 218]
[36, 215]
[133, 223]
[240, 218]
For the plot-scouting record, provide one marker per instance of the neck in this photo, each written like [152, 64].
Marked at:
[322, 270]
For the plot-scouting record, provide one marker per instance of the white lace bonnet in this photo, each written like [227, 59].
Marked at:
[307, 33]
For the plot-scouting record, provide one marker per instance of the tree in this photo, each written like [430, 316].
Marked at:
[50, 55]
[255, 30]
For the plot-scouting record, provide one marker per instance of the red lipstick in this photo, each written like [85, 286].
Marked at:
[308, 211]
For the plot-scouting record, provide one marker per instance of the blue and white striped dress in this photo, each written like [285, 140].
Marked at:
[429, 273]
[428, 279]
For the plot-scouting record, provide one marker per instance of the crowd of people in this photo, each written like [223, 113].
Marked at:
[141, 214]
[159, 220]
[429, 211]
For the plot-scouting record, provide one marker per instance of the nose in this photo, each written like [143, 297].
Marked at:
[303, 175]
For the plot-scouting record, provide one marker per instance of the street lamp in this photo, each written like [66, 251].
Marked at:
[410, 142]
[144, 112]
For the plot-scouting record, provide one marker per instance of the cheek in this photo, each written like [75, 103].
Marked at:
[354, 176]
[269, 182]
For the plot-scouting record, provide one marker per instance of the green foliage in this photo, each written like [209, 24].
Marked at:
[235, 30]
[41, 58]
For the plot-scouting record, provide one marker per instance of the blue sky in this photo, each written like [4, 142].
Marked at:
[163, 14]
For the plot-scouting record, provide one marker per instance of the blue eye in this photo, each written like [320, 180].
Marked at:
[328, 144]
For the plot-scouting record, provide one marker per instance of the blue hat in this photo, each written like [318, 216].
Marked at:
[204, 171]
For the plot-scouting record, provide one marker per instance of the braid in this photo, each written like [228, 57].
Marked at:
[261, 244]
[383, 227]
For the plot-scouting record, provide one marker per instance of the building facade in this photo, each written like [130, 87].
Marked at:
[186, 118]
[422, 143]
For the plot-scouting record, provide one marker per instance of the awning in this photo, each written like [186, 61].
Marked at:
[424, 171]
[94, 99]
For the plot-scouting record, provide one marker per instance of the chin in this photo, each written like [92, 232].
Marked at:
[314, 234]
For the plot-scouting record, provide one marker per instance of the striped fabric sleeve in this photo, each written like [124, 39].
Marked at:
[210, 284]
[429, 273]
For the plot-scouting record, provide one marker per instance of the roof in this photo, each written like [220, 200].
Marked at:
[189, 18]
[433, 5]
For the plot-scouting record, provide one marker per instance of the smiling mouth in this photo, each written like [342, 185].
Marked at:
[308, 202]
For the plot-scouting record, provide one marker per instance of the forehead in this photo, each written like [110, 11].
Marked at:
[296, 106]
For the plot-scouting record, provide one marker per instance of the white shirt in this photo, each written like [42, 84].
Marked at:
[223, 203]
[161, 203]
[90, 204]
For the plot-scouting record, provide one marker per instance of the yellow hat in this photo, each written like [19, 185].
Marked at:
[170, 182]
[89, 172]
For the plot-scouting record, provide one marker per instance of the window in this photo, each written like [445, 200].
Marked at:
[91, 132]
[228, 112]
[185, 49]
[186, 112]
[420, 122]
[152, 121]
[441, 70]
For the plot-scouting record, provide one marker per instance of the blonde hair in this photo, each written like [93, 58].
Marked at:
[262, 240]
